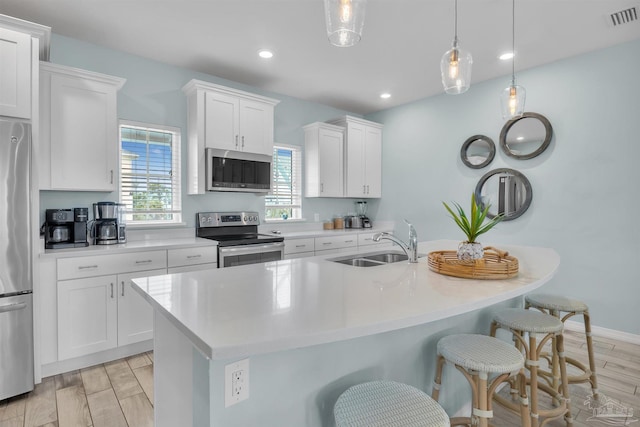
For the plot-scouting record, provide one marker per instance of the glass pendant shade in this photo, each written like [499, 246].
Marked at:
[455, 69]
[512, 101]
[345, 20]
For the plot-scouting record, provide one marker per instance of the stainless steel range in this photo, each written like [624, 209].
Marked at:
[239, 242]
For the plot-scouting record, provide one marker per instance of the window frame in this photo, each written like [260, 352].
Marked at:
[176, 174]
[296, 192]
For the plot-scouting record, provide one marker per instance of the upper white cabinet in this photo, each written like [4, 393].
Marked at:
[79, 129]
[20, 45]
[362, 157]
[228, 119]
[324, 145]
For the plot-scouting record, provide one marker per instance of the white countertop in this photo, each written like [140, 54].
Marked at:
[260, 308]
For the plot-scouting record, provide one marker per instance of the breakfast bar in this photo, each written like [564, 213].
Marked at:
[310, 328]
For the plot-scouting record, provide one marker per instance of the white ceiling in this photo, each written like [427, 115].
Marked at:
[400, 51]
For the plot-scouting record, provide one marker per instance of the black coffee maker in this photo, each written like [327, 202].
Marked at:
[66, 228]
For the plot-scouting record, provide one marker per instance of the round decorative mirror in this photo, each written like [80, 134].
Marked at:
[478, 151]
[506, 191]
[526, 137]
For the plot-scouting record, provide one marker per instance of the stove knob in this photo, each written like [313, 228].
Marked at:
[246, 218]
[255, 218]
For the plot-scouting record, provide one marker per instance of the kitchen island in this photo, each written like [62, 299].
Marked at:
[311, 328]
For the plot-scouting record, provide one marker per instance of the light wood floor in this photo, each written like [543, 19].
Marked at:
[120, 393]
[115, 394]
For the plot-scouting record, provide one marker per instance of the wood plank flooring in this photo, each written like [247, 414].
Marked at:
[120, 393]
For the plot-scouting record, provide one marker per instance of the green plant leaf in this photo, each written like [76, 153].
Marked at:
[474, 225]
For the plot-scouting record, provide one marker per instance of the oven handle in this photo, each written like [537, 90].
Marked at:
[250, 249]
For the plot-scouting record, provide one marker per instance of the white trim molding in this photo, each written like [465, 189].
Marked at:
[628, 337]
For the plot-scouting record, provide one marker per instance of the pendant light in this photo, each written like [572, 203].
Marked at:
[455, 65]
[513, 97]
[345, 19]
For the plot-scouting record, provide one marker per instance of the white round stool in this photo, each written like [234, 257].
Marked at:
[557, 305]
[387, 403]
[478, 357]
[520, 322]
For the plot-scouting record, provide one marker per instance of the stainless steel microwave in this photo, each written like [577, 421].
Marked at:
[228, 170]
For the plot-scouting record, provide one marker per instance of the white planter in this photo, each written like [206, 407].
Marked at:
[468, 250]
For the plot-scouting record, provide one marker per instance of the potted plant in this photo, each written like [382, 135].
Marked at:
[472, 227]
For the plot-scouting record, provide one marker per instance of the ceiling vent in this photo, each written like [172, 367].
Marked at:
[624, 17]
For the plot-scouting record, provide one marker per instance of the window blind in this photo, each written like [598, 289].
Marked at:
[285, 198]
[150, 173]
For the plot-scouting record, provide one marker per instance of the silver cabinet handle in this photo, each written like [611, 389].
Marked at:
[12, 307]
[85, 267]
[242, 141]
[123, 288]
[301, 246]
[146, 261]
[367, 189]
[348, 241]
[364, 189]
[111, 176]
[236, 141]
[111, 290]
[194, 256]
[327, 243]
[321, 187]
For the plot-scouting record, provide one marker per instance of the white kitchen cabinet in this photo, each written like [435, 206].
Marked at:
[323, 160]
[79, 129]
[362, 158]
[192, 259]
[97, 309]
[21, 43]
[299, 248]
[224, 118]
[87, 316]
[335, 244]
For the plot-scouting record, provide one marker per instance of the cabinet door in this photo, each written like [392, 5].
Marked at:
[84, 134]
[87, 316]
[330, 163]
[354, 163]
[135, 315]
[15, 74]
[373, 162]
[222, 115]
[256, 127]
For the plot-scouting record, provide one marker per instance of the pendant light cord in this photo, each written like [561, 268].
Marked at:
[513, 42]
[455, 25]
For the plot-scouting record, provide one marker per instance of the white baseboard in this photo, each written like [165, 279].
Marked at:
[599, 331]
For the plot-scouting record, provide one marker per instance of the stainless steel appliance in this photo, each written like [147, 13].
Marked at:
[65, 228]
[16, 302]
[109, 226]
[239, 242]
[237, 171]
[361, 210]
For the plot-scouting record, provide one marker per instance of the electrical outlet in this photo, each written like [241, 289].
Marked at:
[236, 382]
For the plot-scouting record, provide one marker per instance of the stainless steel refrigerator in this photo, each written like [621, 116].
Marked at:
[16, 300]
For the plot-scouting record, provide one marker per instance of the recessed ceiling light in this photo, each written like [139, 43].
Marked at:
[385, 95]
[506, 56]
[265, 53]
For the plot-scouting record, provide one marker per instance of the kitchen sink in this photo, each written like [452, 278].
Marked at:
[372, 259]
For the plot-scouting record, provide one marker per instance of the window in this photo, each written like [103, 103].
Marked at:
[285, 199]
[150, 173]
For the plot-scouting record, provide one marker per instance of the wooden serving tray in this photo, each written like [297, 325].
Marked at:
[496, 264]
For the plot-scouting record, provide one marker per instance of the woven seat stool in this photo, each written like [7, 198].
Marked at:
[485, 362]
[388, 403]
[557, 306]
[520, 323]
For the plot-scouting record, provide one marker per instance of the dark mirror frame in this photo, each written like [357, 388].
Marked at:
[467, 144]
[547, 139]
[525, 181]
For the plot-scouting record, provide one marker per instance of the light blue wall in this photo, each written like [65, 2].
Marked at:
[153, 94]
[585, 196]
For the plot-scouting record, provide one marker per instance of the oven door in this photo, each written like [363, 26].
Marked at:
[230, 256]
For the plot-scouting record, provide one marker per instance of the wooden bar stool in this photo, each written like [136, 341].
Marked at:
[557, 305]
[480, 357]
[527, 322]
[388, 403]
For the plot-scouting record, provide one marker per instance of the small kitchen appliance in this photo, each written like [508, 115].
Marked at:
[109, 226]
[239, 242]
[361, 210]
[65, 228]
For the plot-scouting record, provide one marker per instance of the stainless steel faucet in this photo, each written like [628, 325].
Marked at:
[411, 249]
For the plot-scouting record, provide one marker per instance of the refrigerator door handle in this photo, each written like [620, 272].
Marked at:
[12, 307]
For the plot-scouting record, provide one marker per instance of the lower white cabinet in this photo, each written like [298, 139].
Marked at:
[135, 315]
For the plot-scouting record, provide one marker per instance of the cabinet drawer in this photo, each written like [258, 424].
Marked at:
[365, 239]
[98, 265]
[192, 256]
[294, 246]
[336, 242]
